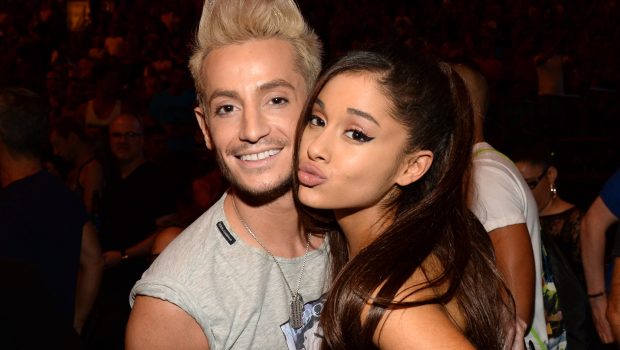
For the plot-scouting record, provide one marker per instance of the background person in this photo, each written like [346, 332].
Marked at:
[558, 218]
[566, 302]
[505, 206]
[601, 214]
[135, 203]
[44, 225]
[85, 176]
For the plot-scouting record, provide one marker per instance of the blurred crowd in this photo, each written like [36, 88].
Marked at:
[550, 64]
[114, 74]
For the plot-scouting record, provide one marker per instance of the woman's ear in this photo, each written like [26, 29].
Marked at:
[414, 166]
[202, 122]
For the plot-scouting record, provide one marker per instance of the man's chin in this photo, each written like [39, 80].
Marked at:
[121, 155]
[264, 194]
[257, 194]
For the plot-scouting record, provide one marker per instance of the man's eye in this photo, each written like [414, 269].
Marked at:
[279, 100]
[358, 136]
[224, 109]
[316, 121]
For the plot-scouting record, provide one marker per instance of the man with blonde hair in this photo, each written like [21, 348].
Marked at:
[245, 274]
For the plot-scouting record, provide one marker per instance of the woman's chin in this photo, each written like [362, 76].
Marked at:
[309, 198]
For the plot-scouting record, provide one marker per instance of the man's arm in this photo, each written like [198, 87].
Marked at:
[593, 227]
[140, 249]
[89, 275]
[92, 182]
[515, 260]
[155, 324]
[613, 307]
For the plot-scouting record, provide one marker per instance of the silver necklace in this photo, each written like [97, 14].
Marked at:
[297, 302]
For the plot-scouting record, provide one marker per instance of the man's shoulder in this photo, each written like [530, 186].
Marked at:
[491, 171]
[148, 170]
[490, 165]
[207, 225]
[611, 188]
[484, 155]
[206, 235]
[610, 194]
[189, 255]
[499, 197]
[42, 191]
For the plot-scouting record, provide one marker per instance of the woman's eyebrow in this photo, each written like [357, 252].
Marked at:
[362, 114]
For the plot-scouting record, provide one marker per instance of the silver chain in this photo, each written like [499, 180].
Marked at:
[303, 265]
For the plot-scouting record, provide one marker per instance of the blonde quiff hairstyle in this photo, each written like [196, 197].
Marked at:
[227, 22]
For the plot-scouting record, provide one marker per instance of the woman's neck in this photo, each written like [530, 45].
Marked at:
[362, 227]
[555, 205]
[544, 210]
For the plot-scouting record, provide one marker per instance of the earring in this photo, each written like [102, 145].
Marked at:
[553, 190]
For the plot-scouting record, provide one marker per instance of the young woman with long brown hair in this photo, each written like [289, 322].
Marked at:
[383, 155]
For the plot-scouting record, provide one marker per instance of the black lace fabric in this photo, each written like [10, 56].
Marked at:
[564, 228]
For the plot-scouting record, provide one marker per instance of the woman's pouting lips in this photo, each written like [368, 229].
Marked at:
[310, 176]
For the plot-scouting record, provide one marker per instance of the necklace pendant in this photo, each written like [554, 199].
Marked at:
[297, 311]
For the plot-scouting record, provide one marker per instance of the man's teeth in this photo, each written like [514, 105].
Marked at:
[261, 155]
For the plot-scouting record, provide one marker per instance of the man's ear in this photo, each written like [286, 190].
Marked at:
[414, 166]
[202, 122]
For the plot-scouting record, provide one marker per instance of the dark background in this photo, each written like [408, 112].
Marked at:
[40, 51]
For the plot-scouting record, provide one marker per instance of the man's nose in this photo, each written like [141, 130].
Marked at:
[254, 126]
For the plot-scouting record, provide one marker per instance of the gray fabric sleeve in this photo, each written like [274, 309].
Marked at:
[168, 289]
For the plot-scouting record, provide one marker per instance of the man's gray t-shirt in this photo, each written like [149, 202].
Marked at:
[234, 291]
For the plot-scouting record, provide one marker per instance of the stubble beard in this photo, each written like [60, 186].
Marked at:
[255, 197]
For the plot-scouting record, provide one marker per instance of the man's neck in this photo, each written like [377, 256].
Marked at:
[13, 169]
[478, 130]
[105, 98]
[84, 154]
[129, 167]
[275, 224]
